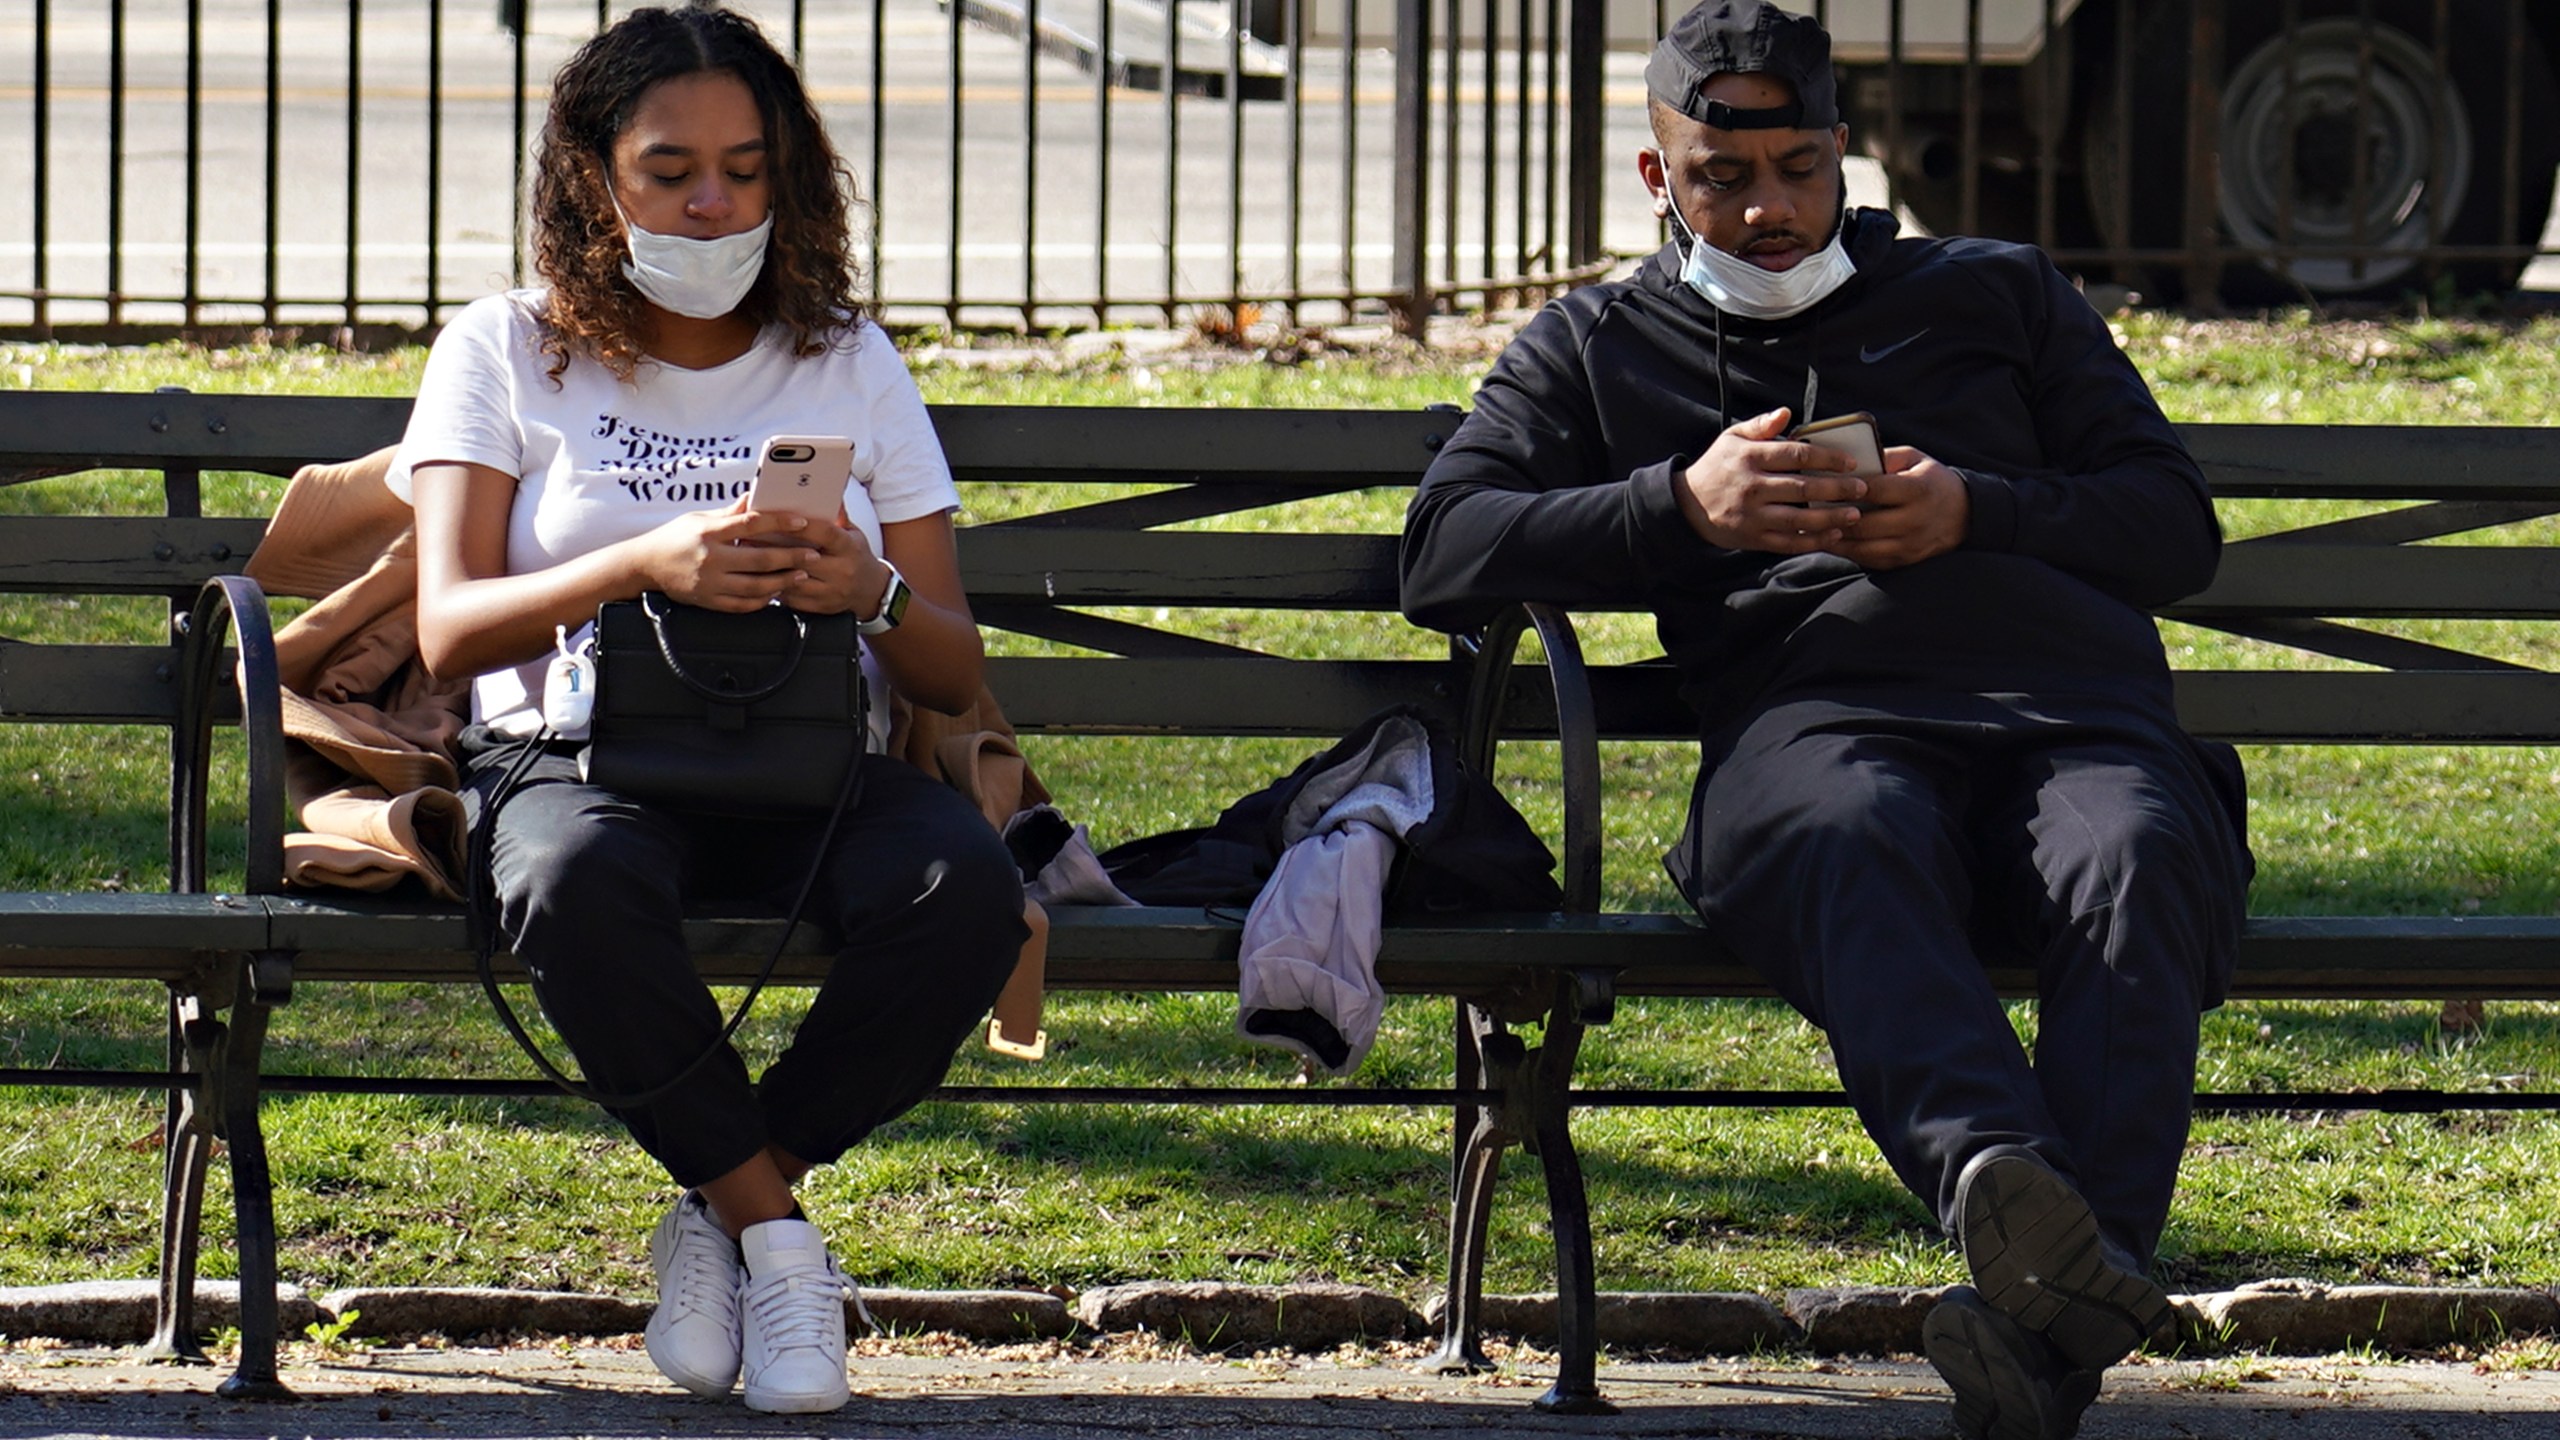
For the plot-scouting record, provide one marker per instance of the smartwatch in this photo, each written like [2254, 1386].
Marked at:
[893, 606]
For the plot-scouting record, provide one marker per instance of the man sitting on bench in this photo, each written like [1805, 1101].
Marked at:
[1936, 722]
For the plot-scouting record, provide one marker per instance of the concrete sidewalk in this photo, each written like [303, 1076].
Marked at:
[1062, 1391]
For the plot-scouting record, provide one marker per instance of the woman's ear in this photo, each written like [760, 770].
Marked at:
[599, 174]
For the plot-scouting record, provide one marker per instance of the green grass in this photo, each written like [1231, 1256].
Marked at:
[383, 1191]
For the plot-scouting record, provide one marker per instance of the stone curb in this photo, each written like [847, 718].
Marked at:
[2296, 1317]
[2273, 1316]
[1700, 1324]
[1213, 1316]
[1869, 1320]
[997, 1315]
[120, 1312]
[385, 1314]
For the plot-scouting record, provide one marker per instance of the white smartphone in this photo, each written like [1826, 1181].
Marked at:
[1850, 435]
[802, 475]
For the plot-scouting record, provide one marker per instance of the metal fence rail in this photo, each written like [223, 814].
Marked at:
[213, 164]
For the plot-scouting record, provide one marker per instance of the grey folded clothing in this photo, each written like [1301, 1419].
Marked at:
[1057, 860]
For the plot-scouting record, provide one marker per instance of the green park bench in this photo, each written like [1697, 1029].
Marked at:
[1113, 480]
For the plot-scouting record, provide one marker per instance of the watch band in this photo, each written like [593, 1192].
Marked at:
[893, 606]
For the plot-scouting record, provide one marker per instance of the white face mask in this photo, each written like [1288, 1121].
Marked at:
[704, 279]
[1738, 287]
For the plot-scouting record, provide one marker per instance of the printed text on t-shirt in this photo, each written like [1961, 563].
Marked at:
[656, 466]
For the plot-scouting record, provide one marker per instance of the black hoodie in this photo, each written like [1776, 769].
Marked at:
[2085, 507]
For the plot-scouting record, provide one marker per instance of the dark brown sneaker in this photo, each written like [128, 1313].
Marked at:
[2037, 1257]
[2009, 1383]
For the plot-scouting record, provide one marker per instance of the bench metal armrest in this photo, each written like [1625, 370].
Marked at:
[227, 603]
[1577, 731]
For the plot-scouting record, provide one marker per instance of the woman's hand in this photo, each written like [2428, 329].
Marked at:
[841, 574]
[733, 559]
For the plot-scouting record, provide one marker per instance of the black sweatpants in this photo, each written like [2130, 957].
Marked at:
[1869, 864]
[919, 892]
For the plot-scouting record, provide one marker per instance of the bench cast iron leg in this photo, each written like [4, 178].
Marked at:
[265, 980]
[195, 1048]
[1549, 1076]
[1473, 1168]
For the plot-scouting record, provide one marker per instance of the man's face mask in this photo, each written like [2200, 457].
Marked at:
[1738, 287]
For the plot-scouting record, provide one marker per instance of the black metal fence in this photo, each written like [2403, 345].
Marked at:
[217, 163]
[209, 164]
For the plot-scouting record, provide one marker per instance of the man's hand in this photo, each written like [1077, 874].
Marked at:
[1755, 491]
[1915, 509]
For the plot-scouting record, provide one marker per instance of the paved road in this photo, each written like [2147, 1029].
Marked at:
[906, 1389]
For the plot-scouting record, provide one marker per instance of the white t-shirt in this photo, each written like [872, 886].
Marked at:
[599, 460]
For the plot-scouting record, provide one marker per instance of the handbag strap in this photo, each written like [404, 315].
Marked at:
[484, 924]
[657, 607]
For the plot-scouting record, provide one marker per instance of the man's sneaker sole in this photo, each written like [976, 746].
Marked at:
[1983, 1356]
[2036, 1256]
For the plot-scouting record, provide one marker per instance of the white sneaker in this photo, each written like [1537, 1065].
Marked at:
[693, 1334]
[794, 1320]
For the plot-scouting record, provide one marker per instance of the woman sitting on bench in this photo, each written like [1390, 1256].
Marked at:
[592, 439]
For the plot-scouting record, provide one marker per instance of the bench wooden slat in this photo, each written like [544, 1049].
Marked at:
[2386, 462]
[272, 433]
[1072, 695]
[1105, 948]
[276, 433]
[1062, 442]
[94, 684]
[124, 934]
[1118, 567]
[1337, 572]
[2281, 707]
[2338, 707]
[2447, 581]
[121, 555]
[1003, 442]
[2498, 957]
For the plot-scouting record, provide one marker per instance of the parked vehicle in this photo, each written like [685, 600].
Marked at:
[2352, 135]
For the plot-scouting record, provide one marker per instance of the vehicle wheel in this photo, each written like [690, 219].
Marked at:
[2434, 148]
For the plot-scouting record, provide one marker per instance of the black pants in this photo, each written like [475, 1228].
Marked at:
[1870, 864]
[917, 889]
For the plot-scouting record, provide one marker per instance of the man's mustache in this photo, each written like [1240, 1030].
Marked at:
[1780, 239]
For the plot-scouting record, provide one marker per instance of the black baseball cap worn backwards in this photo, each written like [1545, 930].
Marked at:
[1750, 37]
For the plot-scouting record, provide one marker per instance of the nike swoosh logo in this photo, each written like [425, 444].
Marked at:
[1873, 353]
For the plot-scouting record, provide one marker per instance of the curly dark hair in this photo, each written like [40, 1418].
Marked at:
[809, 283]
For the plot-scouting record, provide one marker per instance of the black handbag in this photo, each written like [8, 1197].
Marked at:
[758, 713]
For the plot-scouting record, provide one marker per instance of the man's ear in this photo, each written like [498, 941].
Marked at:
[1657, 182]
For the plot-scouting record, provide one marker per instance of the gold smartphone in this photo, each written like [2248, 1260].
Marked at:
[1852, 435]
